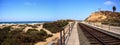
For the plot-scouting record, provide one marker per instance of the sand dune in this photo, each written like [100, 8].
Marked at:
[55, 36]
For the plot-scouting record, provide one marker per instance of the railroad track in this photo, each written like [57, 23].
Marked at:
[96, 37]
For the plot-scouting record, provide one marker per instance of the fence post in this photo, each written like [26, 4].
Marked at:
[101, 25]
[60, 37]
[69, 29]
[109, 26]
[64, 37]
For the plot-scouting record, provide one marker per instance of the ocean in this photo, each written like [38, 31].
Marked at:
[24, 22]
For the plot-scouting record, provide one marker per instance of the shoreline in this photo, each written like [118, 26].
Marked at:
[25, 22]
[22, 23]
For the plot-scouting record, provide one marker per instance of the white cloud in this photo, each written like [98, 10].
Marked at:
[109, 3]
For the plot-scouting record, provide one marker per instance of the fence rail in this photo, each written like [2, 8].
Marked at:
[107, 27]
[64, 36]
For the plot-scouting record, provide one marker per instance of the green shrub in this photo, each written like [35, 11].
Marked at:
[21, 38]
[34, 26]
[3, 33]
[112, 21]
[11, 41]
[31, 30]
[43, 33]
[56, 26]
[50, 35]
[7, 29]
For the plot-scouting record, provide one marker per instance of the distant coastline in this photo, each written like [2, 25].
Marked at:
[24, 22]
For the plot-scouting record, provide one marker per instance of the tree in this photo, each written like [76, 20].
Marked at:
[114, 8]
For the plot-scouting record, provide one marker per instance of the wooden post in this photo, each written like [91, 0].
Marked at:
[64, 37]
[109, 26]
[61, 38]
[69, 29]
[101, 25]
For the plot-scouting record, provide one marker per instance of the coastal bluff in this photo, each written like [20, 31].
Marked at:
[104, 16]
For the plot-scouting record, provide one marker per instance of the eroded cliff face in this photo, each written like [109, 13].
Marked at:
[96, 17]
[102, 16]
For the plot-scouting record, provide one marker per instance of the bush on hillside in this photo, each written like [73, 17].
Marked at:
[3, 33]
[31, 30]
[112, 21]
[56, 26]
[21, 38]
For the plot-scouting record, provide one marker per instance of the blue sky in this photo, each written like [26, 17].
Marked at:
[50, 10]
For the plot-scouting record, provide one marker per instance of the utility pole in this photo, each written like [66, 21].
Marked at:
[99, 9]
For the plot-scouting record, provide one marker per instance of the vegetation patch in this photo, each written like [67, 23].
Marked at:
[56, 26]
[15, 37]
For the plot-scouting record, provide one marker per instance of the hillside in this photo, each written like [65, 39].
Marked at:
[105, 17]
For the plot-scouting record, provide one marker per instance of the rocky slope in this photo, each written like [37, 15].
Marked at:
[104, 17]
